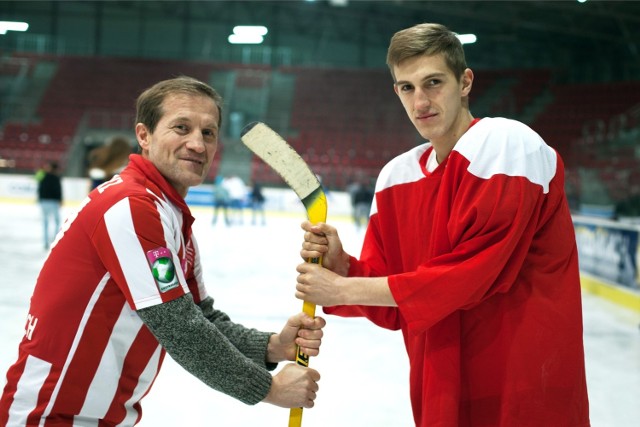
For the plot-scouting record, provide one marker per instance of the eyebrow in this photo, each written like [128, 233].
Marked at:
[427, 77]
[178, 119]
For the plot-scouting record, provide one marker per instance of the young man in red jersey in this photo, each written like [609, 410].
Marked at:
[123, 285]
[470, 251]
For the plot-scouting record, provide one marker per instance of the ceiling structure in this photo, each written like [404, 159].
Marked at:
[510, 33]
[602, 37]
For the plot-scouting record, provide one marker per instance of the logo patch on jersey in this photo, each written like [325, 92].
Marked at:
[163, 269]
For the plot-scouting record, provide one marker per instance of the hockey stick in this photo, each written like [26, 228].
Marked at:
[282, 158]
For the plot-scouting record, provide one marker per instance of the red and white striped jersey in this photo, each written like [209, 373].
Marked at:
[86, 358]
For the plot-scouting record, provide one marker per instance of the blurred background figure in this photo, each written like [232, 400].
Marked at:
[257, 204]
[50, 200]
[108, 160]
[361, 195]
[362, 199]
[220, 201]
[237, 196]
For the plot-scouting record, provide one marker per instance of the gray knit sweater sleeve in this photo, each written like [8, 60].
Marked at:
[250, 342]
[211, 353]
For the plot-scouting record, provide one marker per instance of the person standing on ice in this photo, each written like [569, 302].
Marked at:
[50, 200]
[123, 286]
[470, 251]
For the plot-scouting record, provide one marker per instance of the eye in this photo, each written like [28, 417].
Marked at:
[210, 134]
[182, 129]
[433, 82]
[406, 88]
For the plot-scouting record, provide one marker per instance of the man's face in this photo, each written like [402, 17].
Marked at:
[184, 141]
[432, 97]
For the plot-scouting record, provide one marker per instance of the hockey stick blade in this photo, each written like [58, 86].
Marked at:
[265, 143]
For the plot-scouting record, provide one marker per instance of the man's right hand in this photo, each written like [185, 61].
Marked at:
[293, 387]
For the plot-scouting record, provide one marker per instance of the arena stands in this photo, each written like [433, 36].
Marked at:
[345, 122]
[103, 90]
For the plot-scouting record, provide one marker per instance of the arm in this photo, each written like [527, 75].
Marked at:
[250, 342]
[331, 286]
[299, 330]
[361, 294]
[203, 350]
[324, 287]
[195, 343]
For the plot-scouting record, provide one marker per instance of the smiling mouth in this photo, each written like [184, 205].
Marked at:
[196, 161]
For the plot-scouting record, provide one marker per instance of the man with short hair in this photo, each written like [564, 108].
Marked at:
[470, 251]
[123, 285]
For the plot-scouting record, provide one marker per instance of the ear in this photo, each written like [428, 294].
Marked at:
[143, 136]
[467, 82]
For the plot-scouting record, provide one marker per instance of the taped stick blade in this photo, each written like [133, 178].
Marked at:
[267, 144]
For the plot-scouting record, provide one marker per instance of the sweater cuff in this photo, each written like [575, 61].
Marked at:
[256, 350]
[256, 383]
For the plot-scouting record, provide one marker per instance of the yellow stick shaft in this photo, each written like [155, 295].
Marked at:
[295, 414]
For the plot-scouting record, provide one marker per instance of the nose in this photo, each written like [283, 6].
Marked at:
[421, 99]
[196, 142]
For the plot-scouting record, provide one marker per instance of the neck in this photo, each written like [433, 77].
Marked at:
[443, 146]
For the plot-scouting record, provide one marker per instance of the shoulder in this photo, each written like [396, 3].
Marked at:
[403, 169]
[495, 134]
[503, 146]
[129, 189]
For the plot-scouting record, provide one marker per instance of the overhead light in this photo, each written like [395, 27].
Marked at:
[12, 26]
[250, 29]
[248, 34]
[467, 38]
[245, 39]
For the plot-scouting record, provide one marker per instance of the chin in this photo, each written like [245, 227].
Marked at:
[191, 181]
[196, 182]
[426, 135]
[430, 133]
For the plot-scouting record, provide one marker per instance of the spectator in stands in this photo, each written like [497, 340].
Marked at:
[108, 160]
[470, 251]
[50, 200]
[124, 284]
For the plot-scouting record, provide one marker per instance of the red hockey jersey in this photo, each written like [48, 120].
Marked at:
[482, 262]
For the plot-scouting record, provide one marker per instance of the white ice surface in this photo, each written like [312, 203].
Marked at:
[250, 271]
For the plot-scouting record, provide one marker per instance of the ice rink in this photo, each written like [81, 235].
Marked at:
[250, 271]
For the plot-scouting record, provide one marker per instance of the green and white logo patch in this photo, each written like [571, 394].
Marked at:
[165, 274]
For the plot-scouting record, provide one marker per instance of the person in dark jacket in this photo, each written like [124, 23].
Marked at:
[50, 200]
[257, 205]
